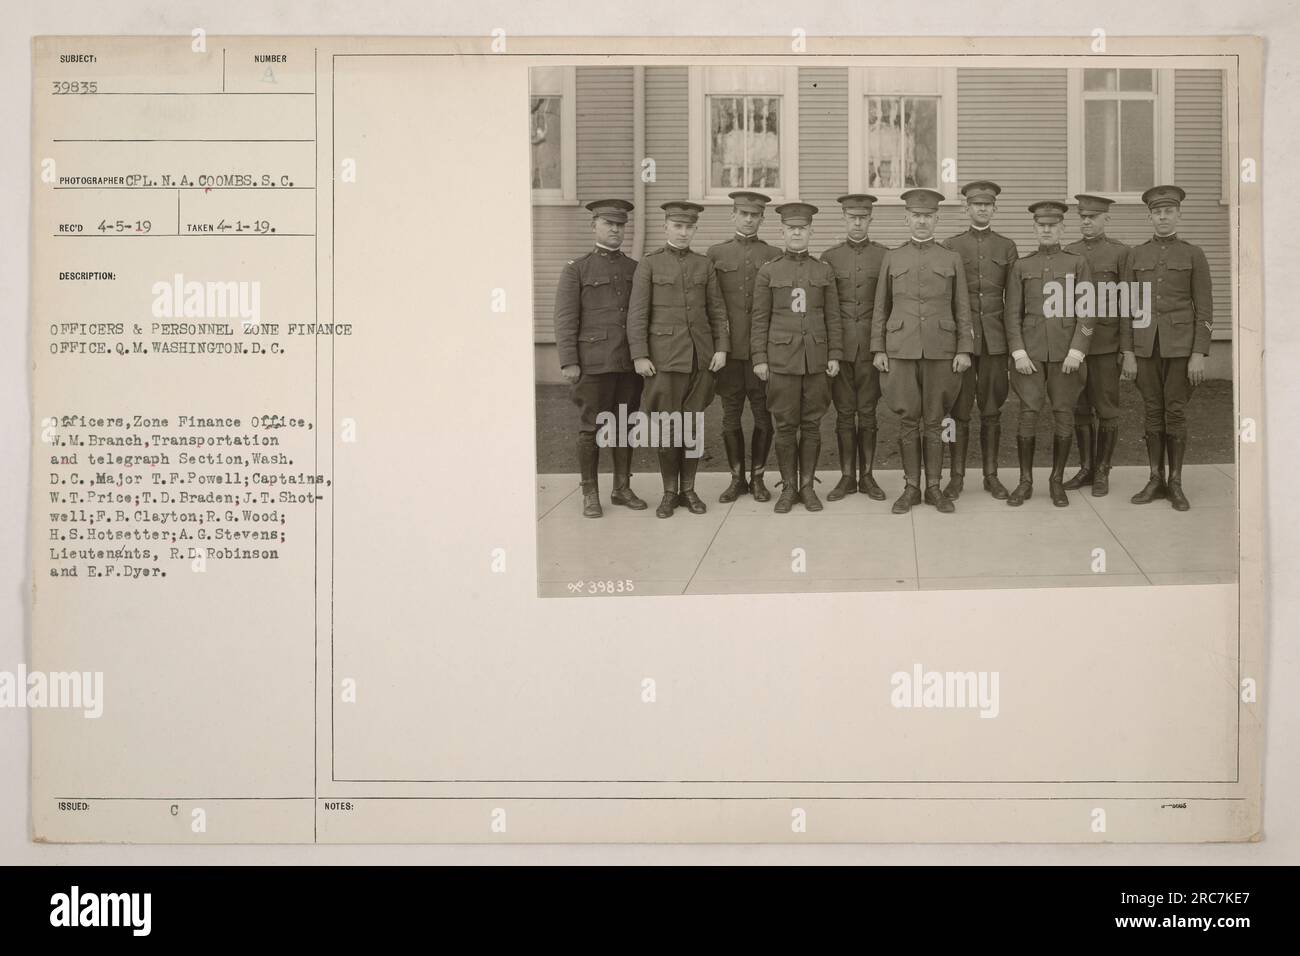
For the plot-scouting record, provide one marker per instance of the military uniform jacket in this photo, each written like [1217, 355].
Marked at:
[987, 257]
[1046, 339]
[591, 311]
[857, 271]
[1181, 298]
[796, 342]
[922, 304]
[737, 262]
[1108, 259]
[676, 309]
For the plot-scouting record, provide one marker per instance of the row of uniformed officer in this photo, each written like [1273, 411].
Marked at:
[693, 322]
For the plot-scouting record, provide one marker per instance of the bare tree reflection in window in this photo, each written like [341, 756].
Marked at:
[544, 134]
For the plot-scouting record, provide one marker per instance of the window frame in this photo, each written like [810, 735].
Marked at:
[947, 129]
[1163, 148]
[567, 193]
[698, 125]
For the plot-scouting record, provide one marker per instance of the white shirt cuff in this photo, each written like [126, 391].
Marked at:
[1018, 354]
[1076, 354]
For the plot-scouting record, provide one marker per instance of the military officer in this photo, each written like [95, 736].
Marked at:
[1048, 346]
[737, 261]
[922, 340]
[1107, 259]
[678, 336]
[796, 341]
[856, 389]
[591, 333]
[1172, 344]
[987, 257]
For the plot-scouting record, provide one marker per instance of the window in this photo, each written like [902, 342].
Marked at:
[741, 130]
[902, 125]
[1121, 125]
[552, 133]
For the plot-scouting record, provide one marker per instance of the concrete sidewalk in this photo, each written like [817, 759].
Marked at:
[858, 545]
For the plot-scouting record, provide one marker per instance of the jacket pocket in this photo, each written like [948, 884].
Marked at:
[594, 335]
[947, 323]
[894, 324]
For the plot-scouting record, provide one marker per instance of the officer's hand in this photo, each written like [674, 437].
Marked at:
[881, 361]
[1196, 368]
[1128, 366]
[1024, 366]
[1070, 364]
[571, 373]
[833, 367]
[719, 360]
[760, 370]
[644, 367]
[961, 362]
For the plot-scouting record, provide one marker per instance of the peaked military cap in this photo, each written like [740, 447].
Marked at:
[615, 210]
[1048, 210]
[981, 189]
[682, 211]
[922, 200]
[796, 213]
[1158, 196]
[749, 201]
[1093, 203]
[856, 202]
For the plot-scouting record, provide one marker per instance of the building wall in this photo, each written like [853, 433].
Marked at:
[1011, 127]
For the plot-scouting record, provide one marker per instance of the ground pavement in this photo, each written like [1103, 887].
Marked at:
[857, 545]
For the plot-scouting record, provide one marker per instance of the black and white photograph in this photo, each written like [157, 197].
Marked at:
[814, 328]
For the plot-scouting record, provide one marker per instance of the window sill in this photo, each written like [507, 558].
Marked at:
[553, 201]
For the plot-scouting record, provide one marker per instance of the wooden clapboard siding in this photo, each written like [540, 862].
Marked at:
[1198, 168]
[665, 142]
[823, 150]
[1012, 129]
[605, 168]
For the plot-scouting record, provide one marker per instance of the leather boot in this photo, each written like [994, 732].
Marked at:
[933, 476]
[668, 471]
[759, 447]
[1025, 490]
[623, 493]
[957, 467]
[1056, 480]
[734, 442]
[990, 442]
[866, 461]
[686, 496]
[786, 453]
[1106, 441]
[810, 446]
[1155, 486]
[1086, 436]
[1177, 448]
[910, 452]
[588, 463]
[848, 483]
